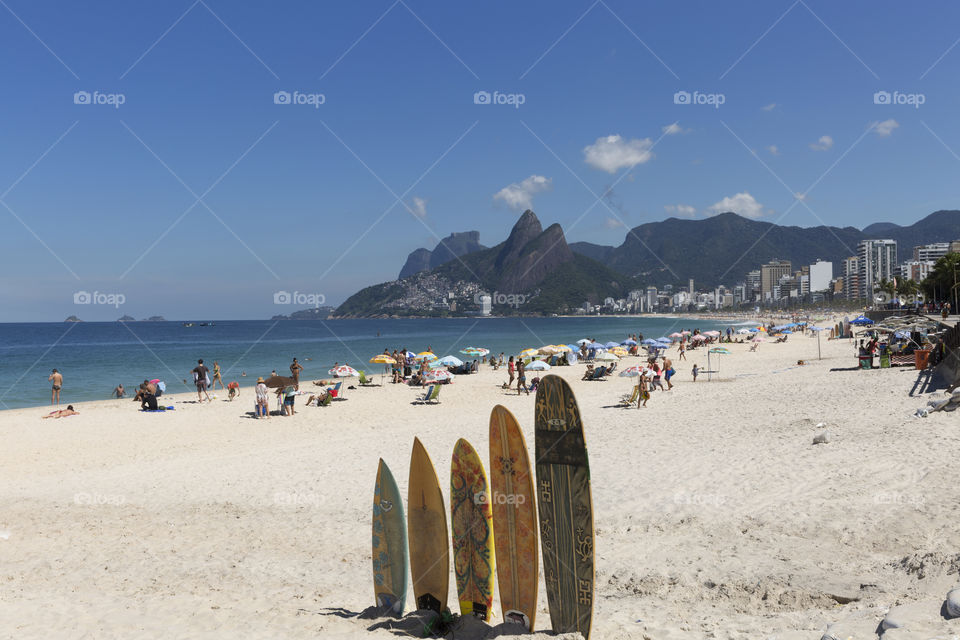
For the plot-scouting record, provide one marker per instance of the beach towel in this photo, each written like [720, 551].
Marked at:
[157, 410]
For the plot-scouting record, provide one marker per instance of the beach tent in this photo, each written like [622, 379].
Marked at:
[718, 351]
[861, 320]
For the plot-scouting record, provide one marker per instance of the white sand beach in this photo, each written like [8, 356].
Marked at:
[716, 516]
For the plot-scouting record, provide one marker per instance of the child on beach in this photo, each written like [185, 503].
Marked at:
[695, 372]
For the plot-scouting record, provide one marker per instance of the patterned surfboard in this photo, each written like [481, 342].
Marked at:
[427, 533]
[471, 519]
[565, 507]
[514, 519]
[389, 544]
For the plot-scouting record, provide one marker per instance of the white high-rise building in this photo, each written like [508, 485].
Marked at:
[486, 303]
[821, 274]
[877, 260]
[931, 252]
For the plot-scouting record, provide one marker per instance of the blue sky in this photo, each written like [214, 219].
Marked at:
[199, 196]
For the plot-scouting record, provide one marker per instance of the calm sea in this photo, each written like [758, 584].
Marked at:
[95, 356]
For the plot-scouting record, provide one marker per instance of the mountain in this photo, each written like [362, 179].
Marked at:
[723, 248]
[450, 248]
[532, 271]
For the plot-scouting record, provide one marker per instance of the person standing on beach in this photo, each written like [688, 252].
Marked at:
[57, 379]
[644, 394]
[216, 376]
[295, 370]
[695, 372]
[511, 370]
[263, 399]
[521, 378]
[683, 350]
[200, 375]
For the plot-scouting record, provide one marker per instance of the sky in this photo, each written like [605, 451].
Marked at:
[195, 158]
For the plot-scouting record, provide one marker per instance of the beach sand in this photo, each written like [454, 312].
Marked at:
[715, 514]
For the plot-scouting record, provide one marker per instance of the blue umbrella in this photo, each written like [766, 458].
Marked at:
[594, 346]
[611, 345]
[629, 342]
[574, 347]
[786, 331]
[664, 339]
[648, 341]
[861, 320]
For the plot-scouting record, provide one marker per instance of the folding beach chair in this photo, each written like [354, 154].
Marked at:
[626, 401]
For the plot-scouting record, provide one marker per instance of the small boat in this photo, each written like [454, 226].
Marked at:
[188, 324]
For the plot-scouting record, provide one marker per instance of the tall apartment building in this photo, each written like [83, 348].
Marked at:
[877, 261]
[851, 278]
[770, 275]
[931, 252]
[651, 298]
[821, 274]
[753, 286]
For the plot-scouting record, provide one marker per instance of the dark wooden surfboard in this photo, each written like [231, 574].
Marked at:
[565, 507]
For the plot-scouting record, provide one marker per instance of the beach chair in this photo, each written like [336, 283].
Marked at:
[626, 401]
[553, 361]
[335, 390]
[432, 395]
[364, 380]
[326, 401]
[754, 347]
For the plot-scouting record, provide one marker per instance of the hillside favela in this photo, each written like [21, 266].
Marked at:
[579, 320]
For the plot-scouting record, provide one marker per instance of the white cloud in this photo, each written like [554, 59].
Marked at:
[682, 210]
[613, 223]
[419, 207]
[519, 195]
[769, 107]
[774, 151]
[673, 129]
[742, 203]
[799, 195]
[612, 153]
[885, 128]
[824, 143]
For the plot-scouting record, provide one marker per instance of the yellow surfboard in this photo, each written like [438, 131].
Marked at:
[472, 519]
[427, 533]
[514, 519]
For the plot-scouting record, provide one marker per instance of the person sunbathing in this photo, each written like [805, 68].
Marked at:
[62, 413]
[318, 398]
[588, 374]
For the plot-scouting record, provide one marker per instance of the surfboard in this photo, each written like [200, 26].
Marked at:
[514, 519]
[472, 522]
[427, 533]
[389, 544]
[565, 507]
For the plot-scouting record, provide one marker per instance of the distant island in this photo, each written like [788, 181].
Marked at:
[73, 319]
[317, 313]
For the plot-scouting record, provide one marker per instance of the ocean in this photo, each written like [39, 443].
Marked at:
[95, 356]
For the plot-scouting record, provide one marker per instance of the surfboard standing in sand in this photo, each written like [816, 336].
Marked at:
[565, 507]
[389, 544]
[427, 533]
[471, 518]
[514, 519]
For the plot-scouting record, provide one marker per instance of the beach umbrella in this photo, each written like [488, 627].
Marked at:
[528, 353]
[409, 354]
[699, 338]
[563, 348]
[382, 359]
[426, 355]
[277, 382]
[608, 356]
[611, 345]
[436, 375]
[676, 335]
[817, 330]
[434, 364]
[583, 341]
[719, 351]
[473, 351]
[685, 332]
[648, 341]
[664, 339]
[547, 350]
[743, 331]
[861, 320]
[632, 372]
[620, 351]
[595, 346]
[786, 331]
[573, 348]
[344, 371]
[711, 333]
[629, 342]
[759, 338]
[537, 365]
[450, 361]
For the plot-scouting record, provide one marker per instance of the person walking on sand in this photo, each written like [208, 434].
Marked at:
[644, 394]
[683, 350]
[511, 371]
[295, 370]
[216, 376]
[668, 372]
[695, 372]
[57, 379]
[200, 376]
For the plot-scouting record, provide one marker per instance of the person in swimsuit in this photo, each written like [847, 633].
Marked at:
[216, 376]
[668, 372]
[644, 394]
[57, 379]
[62, 413]
[511, 369]
[295, 370]
[119, 392]
[521, 378]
